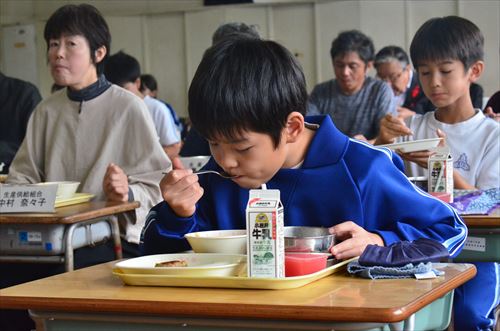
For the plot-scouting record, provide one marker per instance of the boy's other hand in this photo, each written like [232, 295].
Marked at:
[354, 240]
[420, 157]
[391, 127]
[115, 183]
[491, 114]
[180, 189]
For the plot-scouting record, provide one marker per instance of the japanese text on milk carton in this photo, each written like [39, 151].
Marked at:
[440, 179]
[266, 246]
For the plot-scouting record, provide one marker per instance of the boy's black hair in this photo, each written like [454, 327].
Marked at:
[84, 20]
[353, 41]
[148, 82]
[234, 30]
[445, 38]
[391, 53]
[122, 68]
[246, 85]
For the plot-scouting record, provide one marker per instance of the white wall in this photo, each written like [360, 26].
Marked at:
[169, 37]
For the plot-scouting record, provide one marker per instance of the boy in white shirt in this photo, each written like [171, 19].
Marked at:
[447, 63]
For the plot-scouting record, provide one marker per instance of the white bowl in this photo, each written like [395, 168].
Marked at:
[65, 189]
[194, 162]
[218, 241]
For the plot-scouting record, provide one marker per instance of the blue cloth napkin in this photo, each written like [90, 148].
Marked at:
[380, 272]
[403, 253]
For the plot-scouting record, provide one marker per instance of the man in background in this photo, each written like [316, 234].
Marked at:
[355, 102]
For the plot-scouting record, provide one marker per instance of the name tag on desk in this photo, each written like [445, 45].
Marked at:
[27, 198]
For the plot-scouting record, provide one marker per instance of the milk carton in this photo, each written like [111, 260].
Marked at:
[440, 179]
[266, 243]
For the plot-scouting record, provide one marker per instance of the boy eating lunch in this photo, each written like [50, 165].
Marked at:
[248, 99]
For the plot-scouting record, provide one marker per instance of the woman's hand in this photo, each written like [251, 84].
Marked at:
[353, 240]
[180, 189]
[115, 183]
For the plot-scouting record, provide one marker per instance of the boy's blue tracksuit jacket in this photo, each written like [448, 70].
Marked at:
[340, 180]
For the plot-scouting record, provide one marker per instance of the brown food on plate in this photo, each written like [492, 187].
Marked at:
[174, 263]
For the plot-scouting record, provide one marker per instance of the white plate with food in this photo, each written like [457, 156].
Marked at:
[186, 264]
[414, 145]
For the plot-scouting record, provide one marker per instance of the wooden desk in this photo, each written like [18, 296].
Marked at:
[71, 218]
[94, 299]
[492, 220]
[483, 241]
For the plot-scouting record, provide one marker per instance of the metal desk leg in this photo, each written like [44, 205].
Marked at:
[68, 239]
[410, 323]
[115, 232]
[68, 248]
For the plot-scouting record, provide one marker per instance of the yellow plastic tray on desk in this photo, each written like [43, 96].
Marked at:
[77, 198]
[228, 282]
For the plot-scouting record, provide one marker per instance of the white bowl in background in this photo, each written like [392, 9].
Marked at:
[414, 145]
[218, 241]
[194, 162]
[65, 189]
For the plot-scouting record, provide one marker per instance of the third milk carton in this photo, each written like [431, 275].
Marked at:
[266, 243]
[440, 179]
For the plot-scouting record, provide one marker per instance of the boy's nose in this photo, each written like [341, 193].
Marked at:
[435, 82]
[226, 161]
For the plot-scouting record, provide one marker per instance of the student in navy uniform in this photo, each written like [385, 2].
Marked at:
[248, 99]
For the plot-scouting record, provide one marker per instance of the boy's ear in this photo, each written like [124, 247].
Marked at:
[137, 83]
[476, 69]
[294, 126]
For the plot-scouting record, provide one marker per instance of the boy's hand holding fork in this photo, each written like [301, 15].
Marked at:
[180, 189]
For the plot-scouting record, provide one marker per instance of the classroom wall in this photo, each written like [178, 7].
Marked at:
[169, 37]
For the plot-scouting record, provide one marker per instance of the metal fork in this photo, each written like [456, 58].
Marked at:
[204, 172]
[222, 174]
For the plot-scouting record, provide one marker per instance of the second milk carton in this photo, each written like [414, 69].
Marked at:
[440, 179]
[266, 243]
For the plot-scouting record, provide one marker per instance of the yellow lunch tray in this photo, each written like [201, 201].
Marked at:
[228, 282]
[77, 198]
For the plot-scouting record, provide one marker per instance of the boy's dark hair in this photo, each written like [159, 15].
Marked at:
[148, 82]
[445, 38]
[246, 85]
[353, 41]
[234, 30]
[84, 20]
[392, 53]
[122, 68]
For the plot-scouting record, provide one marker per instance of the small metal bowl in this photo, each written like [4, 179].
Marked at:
[307, 239]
